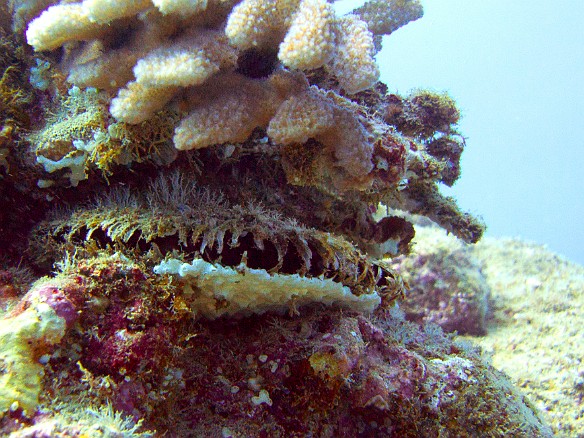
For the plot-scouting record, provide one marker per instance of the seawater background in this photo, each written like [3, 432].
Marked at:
[516, 70]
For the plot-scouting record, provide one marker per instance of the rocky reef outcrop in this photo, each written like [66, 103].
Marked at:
[191, 233]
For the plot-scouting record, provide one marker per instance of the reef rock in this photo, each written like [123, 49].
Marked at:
[193, 189]
[327, 373]
[446, 285]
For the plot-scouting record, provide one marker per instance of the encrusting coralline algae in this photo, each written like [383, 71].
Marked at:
[194, 186]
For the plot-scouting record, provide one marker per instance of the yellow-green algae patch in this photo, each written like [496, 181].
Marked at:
[20, 371]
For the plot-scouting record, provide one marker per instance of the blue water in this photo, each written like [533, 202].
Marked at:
[516, 70]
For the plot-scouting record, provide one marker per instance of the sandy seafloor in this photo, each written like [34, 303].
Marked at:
[536, 333]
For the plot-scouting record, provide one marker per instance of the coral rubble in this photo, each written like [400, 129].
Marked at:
[195, 186]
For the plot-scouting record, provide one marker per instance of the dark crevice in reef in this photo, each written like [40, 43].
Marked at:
[245, 249]
[256, 63]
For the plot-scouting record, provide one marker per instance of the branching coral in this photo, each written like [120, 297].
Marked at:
[292, 112]
[23, 11]
[353, 65]
[307, 30]
[305, 33]
[314, 115]
[247, 103]
[386, 16]
[312, 37]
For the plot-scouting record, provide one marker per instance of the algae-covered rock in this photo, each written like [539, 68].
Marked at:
[326, 372]
[179, 175]
[446, 284]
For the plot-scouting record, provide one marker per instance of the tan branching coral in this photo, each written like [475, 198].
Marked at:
[183, 7]
[313, 38]
[104, 62]
[23, 11]
[189, 61]
[158, 73]
[230, 108]
[59, 24]
[310, 40]
[353, 63]
[137, 102]
[93, 19]
[259, 23]
[305, 33]
[313, 115]
[291, 111]
[386, 16]
[307, 26]
[93, 68]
